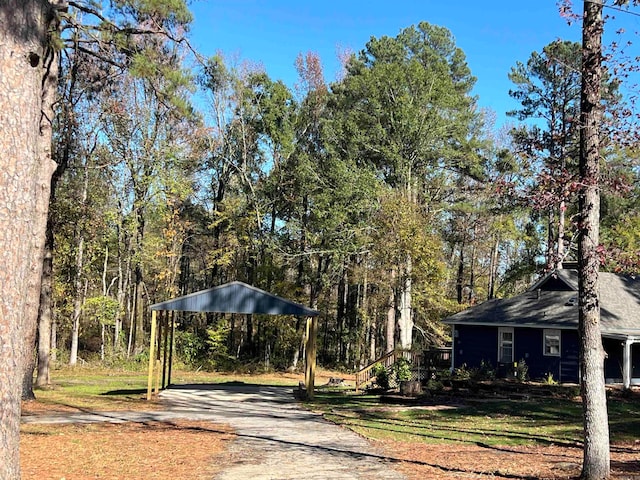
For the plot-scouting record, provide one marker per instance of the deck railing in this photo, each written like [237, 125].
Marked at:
[367, 374]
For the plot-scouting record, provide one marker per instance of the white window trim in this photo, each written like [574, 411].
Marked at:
[502, 330]
[555, 333]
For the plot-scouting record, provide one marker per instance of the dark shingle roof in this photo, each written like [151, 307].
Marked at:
[540, 307]
[235, 297]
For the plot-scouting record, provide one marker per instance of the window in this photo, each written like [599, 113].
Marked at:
[505, 345]
[552, 343]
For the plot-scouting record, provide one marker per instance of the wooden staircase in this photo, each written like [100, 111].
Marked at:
[366, 376]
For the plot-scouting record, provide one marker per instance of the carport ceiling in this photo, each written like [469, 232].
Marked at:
[235, 297]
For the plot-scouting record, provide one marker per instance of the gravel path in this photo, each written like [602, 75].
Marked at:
[279, 440]
[276, 438]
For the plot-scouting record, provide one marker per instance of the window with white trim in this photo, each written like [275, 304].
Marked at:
[505, 345]
[551, 342]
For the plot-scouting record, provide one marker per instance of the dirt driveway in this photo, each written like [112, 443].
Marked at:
[277, 439]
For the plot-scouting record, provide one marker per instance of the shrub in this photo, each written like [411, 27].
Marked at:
[434, 385]
[462, 373]
[382, 377]
[402, 370]
[486, 371]
[522, 371]
[191, 348]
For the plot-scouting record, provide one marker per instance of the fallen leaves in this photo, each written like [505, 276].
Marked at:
[133, 451]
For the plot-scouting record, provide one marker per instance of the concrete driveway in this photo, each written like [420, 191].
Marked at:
[276, 438]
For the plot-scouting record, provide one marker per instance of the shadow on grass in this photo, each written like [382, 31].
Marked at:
[227, 386]
[511, 421]
[444, 433]
[124, 392]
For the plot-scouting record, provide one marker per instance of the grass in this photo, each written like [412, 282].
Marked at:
[504, 422]
[537, 421]
[99, 388]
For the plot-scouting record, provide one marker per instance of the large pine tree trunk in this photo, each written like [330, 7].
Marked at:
[596, 461]
[24, 195]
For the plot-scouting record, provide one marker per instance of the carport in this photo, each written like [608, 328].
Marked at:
[234, 297]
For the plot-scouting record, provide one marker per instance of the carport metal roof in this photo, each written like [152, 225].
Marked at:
[235, 297]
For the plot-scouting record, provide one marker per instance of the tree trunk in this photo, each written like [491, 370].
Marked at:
[405, 322]
[373, 336]
[137, 328]
[138, 304]
[54, 339]
[27, 378]
[560, 247]
[369, 340]
[596, 457]
[45, 313]
[551, 240]
[25, 175]
[472, 277]
[79, 293]
[460, 275]
[341, 310]
[493, 269]
[391, 322]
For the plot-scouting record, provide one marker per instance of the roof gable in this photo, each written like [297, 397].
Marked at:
[235, 297]
[557, 281]
[557, 305]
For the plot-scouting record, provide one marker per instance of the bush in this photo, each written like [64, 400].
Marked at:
[462, 373]
[522, 371]
[382, 377]
[434, 385]
[191, 348]
[486, 371]
[402, 370]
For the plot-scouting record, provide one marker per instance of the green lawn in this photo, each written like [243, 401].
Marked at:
[476, 421]
[537, 420]
[100, 388]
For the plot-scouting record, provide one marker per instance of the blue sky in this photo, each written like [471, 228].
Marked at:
[494, 34]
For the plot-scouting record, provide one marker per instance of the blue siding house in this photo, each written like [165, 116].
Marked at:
[540, 326]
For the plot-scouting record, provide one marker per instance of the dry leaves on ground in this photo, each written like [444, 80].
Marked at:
[131, 451]
[420, 461]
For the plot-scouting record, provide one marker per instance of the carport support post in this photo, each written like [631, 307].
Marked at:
[310, 356]
[171, 333]
[152, 356]
[165, 341]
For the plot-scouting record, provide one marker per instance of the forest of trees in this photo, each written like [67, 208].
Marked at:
[387, 200]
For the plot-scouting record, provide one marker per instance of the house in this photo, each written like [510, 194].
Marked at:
[541, 327]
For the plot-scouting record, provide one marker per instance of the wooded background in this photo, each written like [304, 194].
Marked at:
[387, 200]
